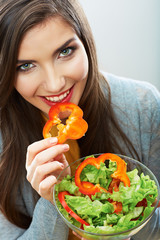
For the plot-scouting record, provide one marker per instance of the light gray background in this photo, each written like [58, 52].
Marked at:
[127, 37]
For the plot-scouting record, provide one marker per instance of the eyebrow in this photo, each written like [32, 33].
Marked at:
[55, 52]
[65, 45]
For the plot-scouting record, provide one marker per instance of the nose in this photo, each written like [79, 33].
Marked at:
[53, 79]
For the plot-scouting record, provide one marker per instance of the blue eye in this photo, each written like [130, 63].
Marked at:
[67, 52]
[25, 67]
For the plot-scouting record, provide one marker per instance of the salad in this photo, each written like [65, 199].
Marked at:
[103, 197]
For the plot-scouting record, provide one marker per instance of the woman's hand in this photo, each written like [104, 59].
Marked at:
[155, 203]
[45, 159]
[86, 239]
[78, 236]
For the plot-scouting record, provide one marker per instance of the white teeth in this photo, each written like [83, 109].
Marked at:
[59, 98]
[55, 99]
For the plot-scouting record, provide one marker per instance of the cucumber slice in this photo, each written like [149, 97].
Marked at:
[136, 212]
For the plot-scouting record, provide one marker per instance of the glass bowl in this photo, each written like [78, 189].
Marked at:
[131, 165]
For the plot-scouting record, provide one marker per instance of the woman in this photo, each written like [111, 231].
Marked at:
[47, 55]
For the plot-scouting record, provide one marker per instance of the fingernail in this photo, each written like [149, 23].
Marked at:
[53, 140]
[61, 165]
[65, 147]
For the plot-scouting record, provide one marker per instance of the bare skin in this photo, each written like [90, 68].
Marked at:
[44, 161]
[52, 67]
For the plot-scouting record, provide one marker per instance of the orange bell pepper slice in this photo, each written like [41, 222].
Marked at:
[87, 187]
[75, 126]
[120, 173]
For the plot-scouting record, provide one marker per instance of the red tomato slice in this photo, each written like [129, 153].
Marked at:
[142, 203]
[114, 185]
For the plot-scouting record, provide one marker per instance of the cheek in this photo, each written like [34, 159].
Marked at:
[78, 67]
[24, 87]
[82, 67]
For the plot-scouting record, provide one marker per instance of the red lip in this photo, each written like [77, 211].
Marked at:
[66, 99]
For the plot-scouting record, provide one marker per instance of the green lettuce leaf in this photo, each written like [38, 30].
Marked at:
[84, 206]
[67, 185]
[97, 210]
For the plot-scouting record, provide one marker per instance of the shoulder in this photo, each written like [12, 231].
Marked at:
[136, 94]
[137, 107]
[131, 86]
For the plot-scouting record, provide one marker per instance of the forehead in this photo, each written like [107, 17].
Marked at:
[54, 31]
[53, 23]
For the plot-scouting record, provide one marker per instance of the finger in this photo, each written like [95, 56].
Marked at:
[40, 173]
[86, 239]
[46, 187]
[37, 147]
[50, 153]
[78, 236]
[155, 202]
[45, 157]
[59, 157]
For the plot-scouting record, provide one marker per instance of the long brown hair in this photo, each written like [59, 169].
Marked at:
[20, 122]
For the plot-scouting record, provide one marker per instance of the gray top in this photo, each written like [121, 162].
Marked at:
[137, 105]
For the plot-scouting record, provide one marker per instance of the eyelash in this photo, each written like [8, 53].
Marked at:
[19, 68]
[72, 49]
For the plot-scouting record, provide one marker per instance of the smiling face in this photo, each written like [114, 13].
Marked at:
[52, 65]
